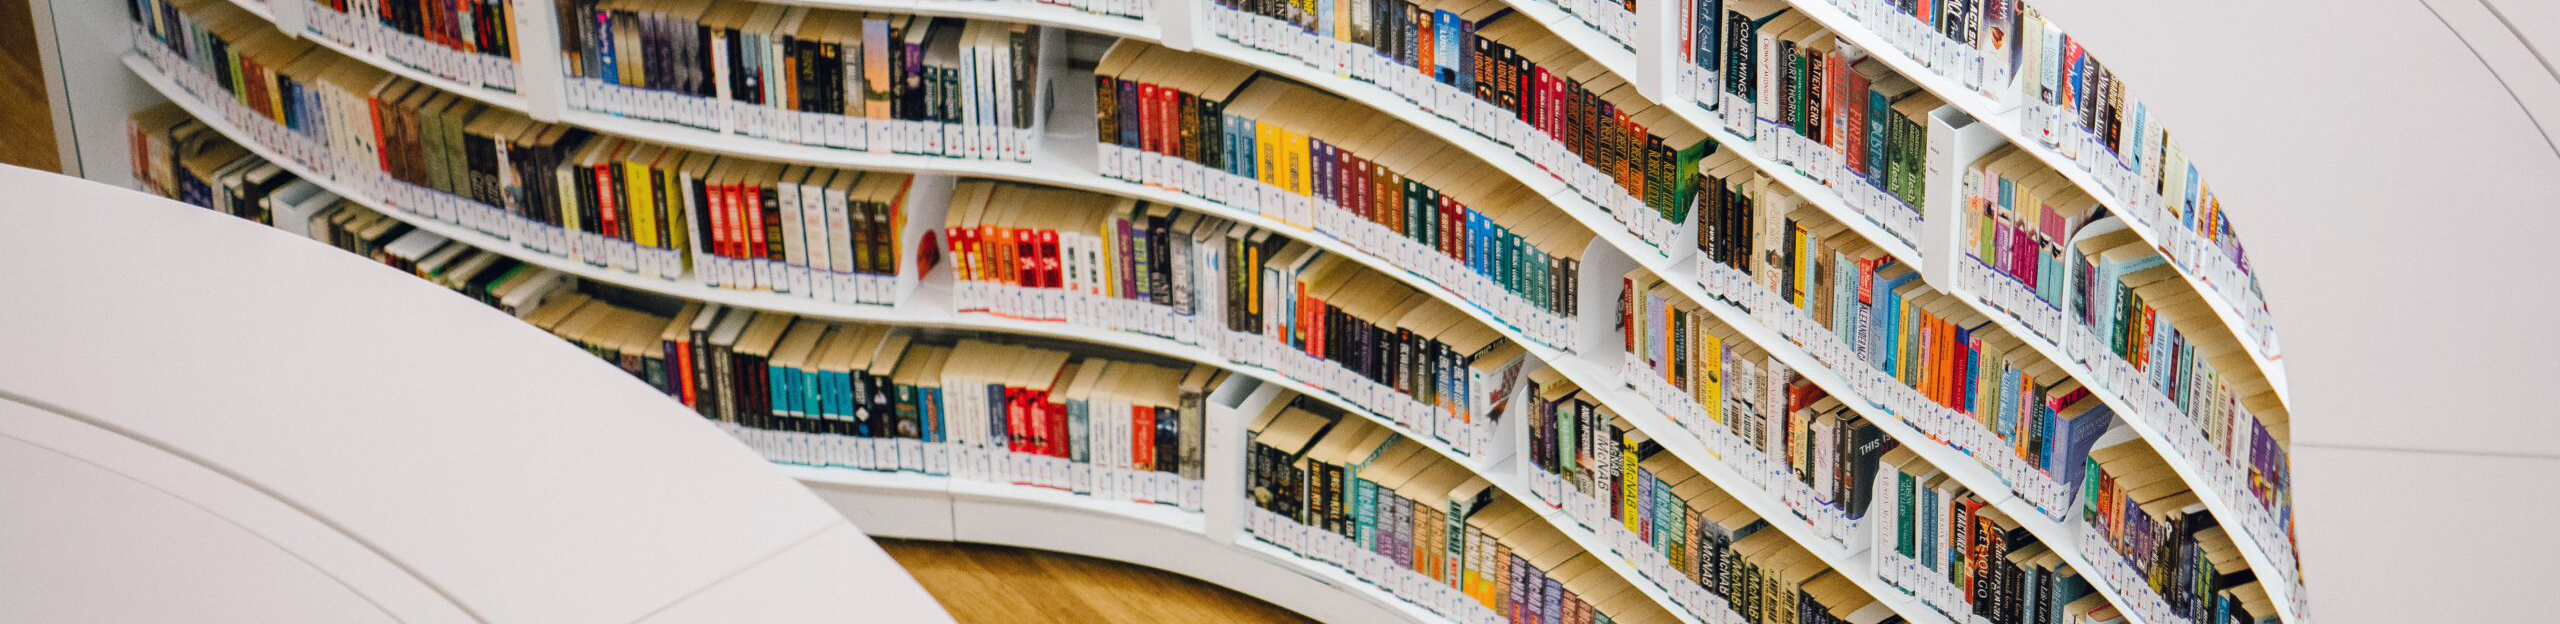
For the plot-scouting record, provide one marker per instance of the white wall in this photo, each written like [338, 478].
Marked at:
[2399, 205]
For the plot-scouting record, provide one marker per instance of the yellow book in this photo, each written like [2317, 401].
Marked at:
[1710, 383]
[1299, 164]
[1266, 142]
[638, 201]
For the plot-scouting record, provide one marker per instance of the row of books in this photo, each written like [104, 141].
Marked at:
[873, 397]
[876, 82]
[2145, 316]
[1426, 528]
[2073, 273]
[801, 390]
[176, 157]
[1414, 360]
[1812, 102]
[1047, 254]
[2079, 109]
[1932, 360]
[1223, 131]
[2153, 341]
[2155, 533]
[1509, 79]
[471, 42]
[1965, 558]
[1754, 411]
[1326, 320]
[1854, 446]
[641, 207]
[1705, 547]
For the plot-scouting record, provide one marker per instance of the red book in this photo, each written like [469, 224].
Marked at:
[1055, 414]
[717, 195]
[1026, 258]
[1317, 311]
[1142, 438]
[1422, 59]
[960, 265]
[1016, 434]
[381, 143]
[752, 204]
[683, 380]
[1147, 126]
[1052, 274]
[1450, 230]
[739, 205]
[608, 222]
[1560, 100]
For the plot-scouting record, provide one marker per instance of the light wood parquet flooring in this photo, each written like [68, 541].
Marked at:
[983, 584]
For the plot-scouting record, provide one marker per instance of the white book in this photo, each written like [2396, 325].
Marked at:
[816, 275]
[794, 258]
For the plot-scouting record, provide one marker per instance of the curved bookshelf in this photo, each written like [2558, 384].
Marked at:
[1615, 58]
[1066, 161]
[2003, 118]
[929, 307]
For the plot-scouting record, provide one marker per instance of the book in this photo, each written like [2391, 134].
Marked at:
[1372, 341]
[2156, 333]
[655, 210]
[1359, 495]
[2180, 559]
[852, 80]
[1037, 253]
[472, 42]
[1692, 536]
[1862, 312]
[1311, 160]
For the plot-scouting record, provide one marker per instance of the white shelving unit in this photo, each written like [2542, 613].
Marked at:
[1066, 159]
[2004, 118]
[920, 497]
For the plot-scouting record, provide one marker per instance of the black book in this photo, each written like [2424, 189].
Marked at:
[772, 204]
[882, 399]
[1168, 451]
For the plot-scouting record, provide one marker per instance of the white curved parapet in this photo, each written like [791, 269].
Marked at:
[193, 406]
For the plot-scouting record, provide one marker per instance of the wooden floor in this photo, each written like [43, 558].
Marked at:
[999, 585]
[26, 122]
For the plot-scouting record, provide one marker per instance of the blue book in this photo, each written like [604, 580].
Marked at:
[937, 426]
[1079, 440]
[777, 384]
[1445, 45]
[2077, 430]
[606, 69]
[812, 396]
[996, 434]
